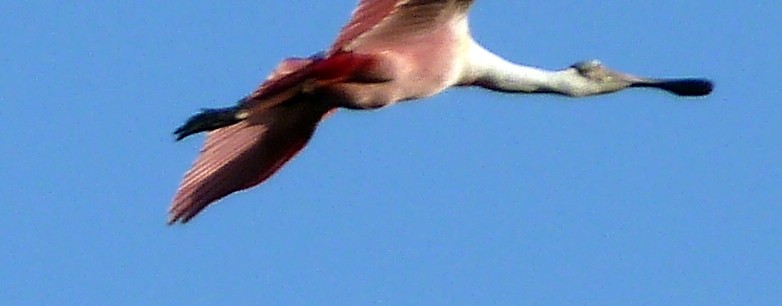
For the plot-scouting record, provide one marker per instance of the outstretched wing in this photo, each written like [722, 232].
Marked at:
[387, 21]
[281, 117]
[247, 153]
[244, 155]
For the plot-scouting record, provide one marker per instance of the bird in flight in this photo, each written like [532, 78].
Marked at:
[389, 51]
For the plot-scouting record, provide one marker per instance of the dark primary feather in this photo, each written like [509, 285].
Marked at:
[208, 120]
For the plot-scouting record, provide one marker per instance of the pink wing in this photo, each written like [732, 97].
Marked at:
[245, 154]
[280, 122]
[387, 21]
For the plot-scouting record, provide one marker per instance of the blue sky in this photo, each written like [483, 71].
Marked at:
[469, 197]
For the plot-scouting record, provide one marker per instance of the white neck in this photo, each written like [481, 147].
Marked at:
[490, 71]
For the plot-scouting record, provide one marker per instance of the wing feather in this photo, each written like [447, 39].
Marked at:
[281, 120]
[388, 21]
[245, 154]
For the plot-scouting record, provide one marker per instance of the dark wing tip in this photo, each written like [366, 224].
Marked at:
[208, 120]
[175, 215]
[172, 219]
[179, 213]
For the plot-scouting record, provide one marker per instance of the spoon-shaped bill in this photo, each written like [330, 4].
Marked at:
[680, 87]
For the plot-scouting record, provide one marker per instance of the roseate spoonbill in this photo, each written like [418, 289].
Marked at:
[389, 51]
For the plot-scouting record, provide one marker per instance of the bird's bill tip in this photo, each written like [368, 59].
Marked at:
[691, 87]
[695, 87]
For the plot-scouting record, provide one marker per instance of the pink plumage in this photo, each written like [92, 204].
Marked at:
[389, 51]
